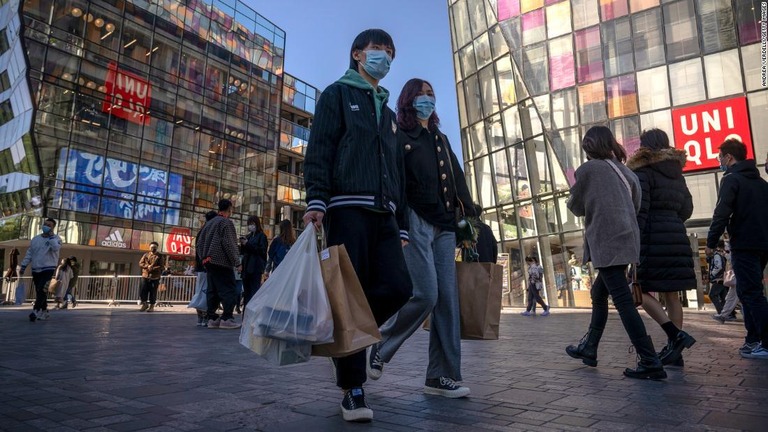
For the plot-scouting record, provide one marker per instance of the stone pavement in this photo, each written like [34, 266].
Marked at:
[114, 369]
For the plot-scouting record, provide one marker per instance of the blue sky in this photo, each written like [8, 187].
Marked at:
[319, 34]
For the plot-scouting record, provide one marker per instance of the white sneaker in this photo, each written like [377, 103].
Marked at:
[757, 353]
[43, 315]
[445, 387]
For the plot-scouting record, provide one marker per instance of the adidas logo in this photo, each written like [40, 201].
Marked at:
[115, 240]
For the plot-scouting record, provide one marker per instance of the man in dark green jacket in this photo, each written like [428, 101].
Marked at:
[355, 182]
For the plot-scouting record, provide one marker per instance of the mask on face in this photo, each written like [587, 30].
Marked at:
[153, 248]
[425, 106]
[377, 63]
[723, 167]
[46, 229]
[252, 228]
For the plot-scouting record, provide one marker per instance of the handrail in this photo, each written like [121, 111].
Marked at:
[113, 290]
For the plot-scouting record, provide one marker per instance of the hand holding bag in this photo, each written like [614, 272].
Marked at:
[200, 299]
[634, 286]
[729, 278]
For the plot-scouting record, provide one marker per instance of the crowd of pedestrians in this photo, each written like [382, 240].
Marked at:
[389, 188]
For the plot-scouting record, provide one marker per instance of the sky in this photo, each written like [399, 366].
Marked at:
[319, 34]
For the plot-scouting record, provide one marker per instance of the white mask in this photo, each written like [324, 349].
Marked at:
[252, 228]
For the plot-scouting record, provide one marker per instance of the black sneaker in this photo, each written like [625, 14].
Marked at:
[354, 408]
[32, 317]
[374, 364]
[446, 387]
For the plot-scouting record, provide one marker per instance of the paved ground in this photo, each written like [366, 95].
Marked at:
[114, 369]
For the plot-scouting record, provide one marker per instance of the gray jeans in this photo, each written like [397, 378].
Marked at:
[731, 300]
[432, 266]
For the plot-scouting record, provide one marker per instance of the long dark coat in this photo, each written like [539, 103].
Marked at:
[666, 259]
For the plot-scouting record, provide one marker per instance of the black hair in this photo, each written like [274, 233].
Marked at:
[225, 205]
[654, 139]
[599, 143]
[154, 243]
[721, 244]
[53, 221]
[478, 209]
[735, 148]
[367, 37]
[210, 215]
[532, 259]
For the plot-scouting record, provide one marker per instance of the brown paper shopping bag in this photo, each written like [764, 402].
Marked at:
[354, 327]
[480, 287]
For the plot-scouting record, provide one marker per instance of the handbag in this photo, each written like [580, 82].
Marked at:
[729, 278]
[54, 284]
[634, 286]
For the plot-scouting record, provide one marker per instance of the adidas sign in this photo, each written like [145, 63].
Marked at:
[115, 240]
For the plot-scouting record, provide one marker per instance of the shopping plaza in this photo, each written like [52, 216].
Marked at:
[533, 75]
[127, 120]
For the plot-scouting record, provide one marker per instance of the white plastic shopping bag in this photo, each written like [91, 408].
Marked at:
[20, 293]
[200, 299]
[292, 305]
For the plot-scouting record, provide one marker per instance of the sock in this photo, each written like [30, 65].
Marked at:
[670, 329]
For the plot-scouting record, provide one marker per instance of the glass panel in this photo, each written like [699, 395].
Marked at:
[507, 9]
[638, 5]
[498, 44]
[723, 74]
[546, 217]
[477, 17]
[535, 69]
[573, 155]
[703, 188]
[501, 177]
[627, 133]
[758, 110]
[467, 55]
[648, 40]
[687, 82]
[718, 31]
[542, 106]
[558, 19]
[509, 224]
[482, 51]
[748, 21]
[653, 89]
[617, 47]
[751, 63]
[488, 88]
[680, 30]
[610, 9]
[462, 105]
[484, 178]
[564, 109]
[622, 96]
[506, 81]
[512, 125]
[495, 133]
[533, 27]
[579, 278]
[592, 103]
[518, 172]
[479, 144]
[561, 64]
[474, 99]
[529, 5]
[461, 23]
[538, 165]
[589, 60]
[584, 13]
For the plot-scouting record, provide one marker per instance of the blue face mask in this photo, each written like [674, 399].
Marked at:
[425, 106]
[723, 167]
[46, 229]
[377, 63]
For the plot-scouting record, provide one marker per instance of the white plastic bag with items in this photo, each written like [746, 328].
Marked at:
[292, 306]
[200, 299]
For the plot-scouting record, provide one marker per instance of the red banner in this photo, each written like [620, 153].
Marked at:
[700, 129]
[128, 96]
[179, 242]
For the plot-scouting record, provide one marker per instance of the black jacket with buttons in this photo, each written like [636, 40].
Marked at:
[435, 183]
[351, 159]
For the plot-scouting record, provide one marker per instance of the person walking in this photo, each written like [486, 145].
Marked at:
[535, 287]
[151, 265]
[435, 188]
[666, 258]
[717, 263]
[63, 275]
[355, 183]
[742, 208]
[217, 248]
[70, 295]
[607, 194]
[43, 255]
[201, 279]
[280, 245]
[254, 252]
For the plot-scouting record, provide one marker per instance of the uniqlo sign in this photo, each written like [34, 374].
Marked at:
[128, 96]
[700, 129]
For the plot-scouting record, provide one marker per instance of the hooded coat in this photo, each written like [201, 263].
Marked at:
[666, 258]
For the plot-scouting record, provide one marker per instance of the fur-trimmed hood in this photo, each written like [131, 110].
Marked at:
[669, 161]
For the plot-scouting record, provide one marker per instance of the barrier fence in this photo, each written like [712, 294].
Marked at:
[112, 290]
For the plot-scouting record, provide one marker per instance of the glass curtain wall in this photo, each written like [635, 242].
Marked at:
[533, 75]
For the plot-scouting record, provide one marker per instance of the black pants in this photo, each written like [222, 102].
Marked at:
[373, 243]
[251, 284]
[149, 290]
[717, 293]
[221, 289]
[748, 268]
[612, 281]
[535, 297]
[40, 280]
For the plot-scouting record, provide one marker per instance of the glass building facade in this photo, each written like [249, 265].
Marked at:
[533, 75]
[126, 120]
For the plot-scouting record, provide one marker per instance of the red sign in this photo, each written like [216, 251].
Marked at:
[128, 96]
[179, 242]
[700, 129]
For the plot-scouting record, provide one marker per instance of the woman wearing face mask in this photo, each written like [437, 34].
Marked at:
[435, 186]
[253, 248]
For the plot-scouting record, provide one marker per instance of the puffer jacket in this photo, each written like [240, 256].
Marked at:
[666, 258]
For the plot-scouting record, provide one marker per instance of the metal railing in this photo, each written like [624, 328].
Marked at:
[113, 290]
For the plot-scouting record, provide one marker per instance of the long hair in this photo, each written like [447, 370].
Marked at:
[254, 220]
[406, 113]
[287, 233]
[599, 143]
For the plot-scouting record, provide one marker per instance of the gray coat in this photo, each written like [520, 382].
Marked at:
[611, 234]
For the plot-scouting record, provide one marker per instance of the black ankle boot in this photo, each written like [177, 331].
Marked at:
[649, 366]
[674, 349]
[587, 348]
